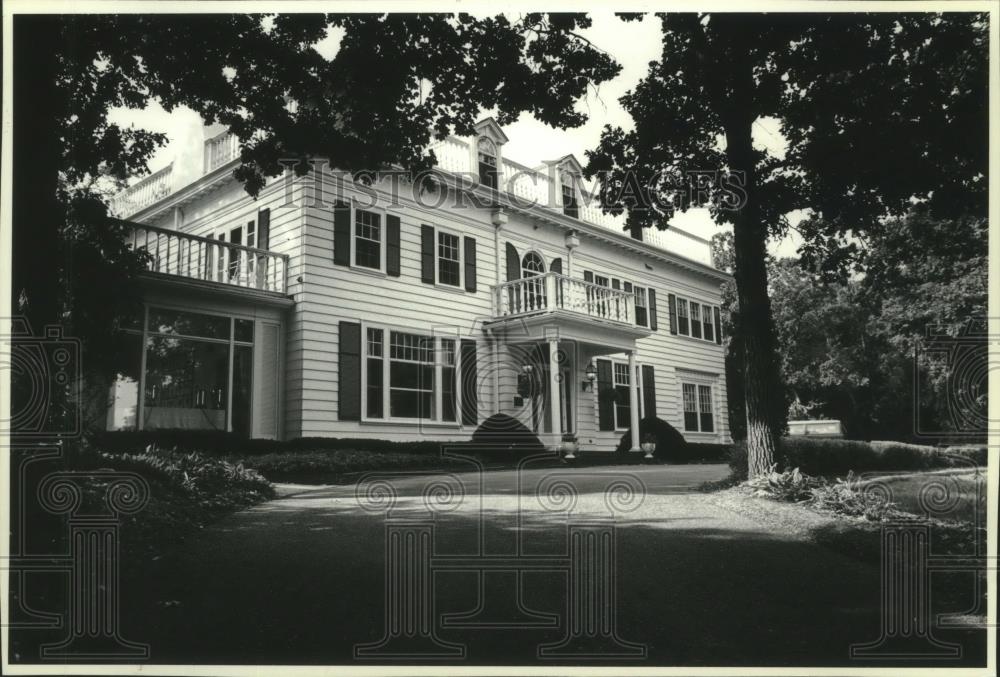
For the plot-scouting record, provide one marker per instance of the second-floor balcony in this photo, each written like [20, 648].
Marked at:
[182, 255]
[558, 294]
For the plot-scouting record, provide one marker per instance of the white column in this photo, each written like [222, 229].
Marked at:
[633, 400]
[554, 385]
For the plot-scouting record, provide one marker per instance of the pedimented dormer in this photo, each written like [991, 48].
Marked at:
[486, 148]
[567, 173]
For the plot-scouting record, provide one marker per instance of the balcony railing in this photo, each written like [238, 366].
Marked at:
[201, 258]
[143, 193]
[556, 292]
[221, 149]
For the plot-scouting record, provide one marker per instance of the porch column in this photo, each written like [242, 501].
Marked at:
[633, 400]
[554, 385]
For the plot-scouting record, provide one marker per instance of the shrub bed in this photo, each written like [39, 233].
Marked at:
[310, 466]
[186, 491]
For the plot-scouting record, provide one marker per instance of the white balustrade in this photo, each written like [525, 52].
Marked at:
[200, 258]
[556, 292]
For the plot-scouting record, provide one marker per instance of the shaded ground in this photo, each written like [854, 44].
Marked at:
[302, 579]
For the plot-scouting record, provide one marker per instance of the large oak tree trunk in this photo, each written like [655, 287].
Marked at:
[36, 214]
[760, 377]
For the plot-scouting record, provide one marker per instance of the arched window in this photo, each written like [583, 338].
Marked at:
[532, 264]
[487, 153]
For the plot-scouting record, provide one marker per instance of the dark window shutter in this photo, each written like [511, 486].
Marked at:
[718, 327]
[264, 228]
[556, 266]
[427, 254]
[342, 234]
[469, 377]
[470, 264]
[672, 308]
[392, 245]
[263, 242]
[648, 391]
[588, 276]
[651, 300]
[349, 376]
[513, 263]
[605, 396]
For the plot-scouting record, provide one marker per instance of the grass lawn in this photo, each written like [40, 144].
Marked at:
[957, 495]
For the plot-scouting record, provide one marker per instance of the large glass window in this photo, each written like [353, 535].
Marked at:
[698, 409]
[411, 376]
[367, 239]
[414, 377]
[198, 374]
[186, 384]
[123, 395]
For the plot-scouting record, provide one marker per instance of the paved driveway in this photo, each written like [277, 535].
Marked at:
[302, 579]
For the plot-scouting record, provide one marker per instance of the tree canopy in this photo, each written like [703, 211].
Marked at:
[396, 82]
[878, 111]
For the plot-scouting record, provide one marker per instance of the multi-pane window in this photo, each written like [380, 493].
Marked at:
[641, 309]
[698, 411]
[569, 202]
[449, 259]
[487, 153]
[374, 366]
[367, 239]
[705, 409]
[682, 318]
[706, 321]
[410, 376]
[623, 409]
[695, 320]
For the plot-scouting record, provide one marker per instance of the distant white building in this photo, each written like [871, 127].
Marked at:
[816, 428]
[383, 316]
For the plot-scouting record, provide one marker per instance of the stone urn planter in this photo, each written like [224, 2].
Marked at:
[648, 446]
[569, 446]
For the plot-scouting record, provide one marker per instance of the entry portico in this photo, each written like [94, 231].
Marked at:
[550, 328]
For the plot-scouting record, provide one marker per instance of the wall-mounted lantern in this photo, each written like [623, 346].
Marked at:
[591, 374]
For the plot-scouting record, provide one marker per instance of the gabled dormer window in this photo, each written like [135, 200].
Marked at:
[487, 154]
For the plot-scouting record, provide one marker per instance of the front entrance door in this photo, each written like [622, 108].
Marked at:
[541, 417]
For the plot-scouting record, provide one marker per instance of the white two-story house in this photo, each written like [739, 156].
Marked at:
[331, 308]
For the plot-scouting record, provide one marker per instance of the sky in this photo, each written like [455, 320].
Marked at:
[632, 44]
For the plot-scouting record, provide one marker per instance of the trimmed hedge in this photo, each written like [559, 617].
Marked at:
[838, 457]
[503, 433]
[670, 444]
[217, 443]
